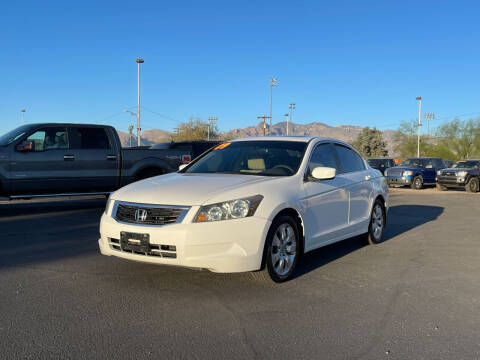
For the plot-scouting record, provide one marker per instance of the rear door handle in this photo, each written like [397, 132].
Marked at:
[111, 157]
[68, 157]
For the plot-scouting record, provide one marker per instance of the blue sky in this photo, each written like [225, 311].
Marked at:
[342, 62]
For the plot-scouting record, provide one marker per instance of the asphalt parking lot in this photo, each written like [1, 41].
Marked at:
[415, 296]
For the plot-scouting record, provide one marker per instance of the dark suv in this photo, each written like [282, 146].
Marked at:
[381, 164]
[415, 172]
[463, 174]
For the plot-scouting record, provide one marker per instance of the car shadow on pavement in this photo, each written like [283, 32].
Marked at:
[48, 231]
[401, 219]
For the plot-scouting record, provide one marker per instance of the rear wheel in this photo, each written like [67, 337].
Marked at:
[417, 183]
[440, 187]
[282, 249]
[472, 185]
[377, 223]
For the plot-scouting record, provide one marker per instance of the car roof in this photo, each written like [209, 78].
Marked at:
[67, 124]
[299, 138]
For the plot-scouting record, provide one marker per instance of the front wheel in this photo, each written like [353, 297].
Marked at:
[282, 249]
[377, 223]
[472, 185]
[417, 183]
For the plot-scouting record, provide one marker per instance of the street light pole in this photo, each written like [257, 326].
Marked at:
[292, 107]
[419, 98]
[23, 114]
[139, 61]
[212, 121]
[428, 116]
[273, 82]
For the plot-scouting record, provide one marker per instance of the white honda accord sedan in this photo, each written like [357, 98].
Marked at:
[247, 205]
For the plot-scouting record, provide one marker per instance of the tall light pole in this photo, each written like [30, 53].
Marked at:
[286, 118]
[291, 107]
[139, 61]
[23, 115]
[130, 134]
[273, 82]
[212, 121]
[428, 116]
[419, 98]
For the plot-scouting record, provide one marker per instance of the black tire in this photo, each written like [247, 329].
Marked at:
[417, 183]
[440, 187]
[272, 251]
[147, 173]
[472, 185]
[374, 236]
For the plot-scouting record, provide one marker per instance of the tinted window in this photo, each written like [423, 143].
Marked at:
[266, 158]
[438, 163]
[360, 161]
[49, 139]
[322, 156]
[348, 159]
[90, 138]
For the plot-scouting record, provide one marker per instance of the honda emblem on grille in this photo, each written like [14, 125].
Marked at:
[140, 215]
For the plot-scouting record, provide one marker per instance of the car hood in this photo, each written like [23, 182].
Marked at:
[184, 189]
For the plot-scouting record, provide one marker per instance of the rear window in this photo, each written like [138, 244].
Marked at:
[90, 138]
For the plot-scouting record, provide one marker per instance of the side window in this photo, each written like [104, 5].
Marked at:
[90, 138]
[49, 139]
[429, 164]
[361, 163]
[348, 159]
[438, 163]
[322, 156]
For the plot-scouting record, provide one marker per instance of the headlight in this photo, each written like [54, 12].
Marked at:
[462, 173]
[407, 173]
[108, 205]
[227, 210]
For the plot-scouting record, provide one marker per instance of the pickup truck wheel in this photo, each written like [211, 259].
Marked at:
[282, 249]
[472, 185]
[417, 183]
[441, 187]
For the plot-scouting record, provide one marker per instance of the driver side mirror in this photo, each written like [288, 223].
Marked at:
[323, 173]
[25, 146]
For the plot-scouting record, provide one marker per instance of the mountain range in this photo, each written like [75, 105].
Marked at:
[346, 133]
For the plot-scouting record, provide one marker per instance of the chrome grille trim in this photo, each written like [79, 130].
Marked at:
[160, 215]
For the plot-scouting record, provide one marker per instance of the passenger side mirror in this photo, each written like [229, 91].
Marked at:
[183, 166]
[323, 173]
[25, 146]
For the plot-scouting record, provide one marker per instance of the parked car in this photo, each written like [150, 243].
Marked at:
[449, 163]
[195, 148]
[381, 164]
[249, 204]
[463, 174]
[52, 159]
[415, 172]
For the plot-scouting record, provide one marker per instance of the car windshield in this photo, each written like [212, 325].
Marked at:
[412, 162]
[263, 158]
[465, 164]
[375, 162]
[13, 135]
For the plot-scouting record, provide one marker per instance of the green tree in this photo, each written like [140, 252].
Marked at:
[458, 139]
[194, 130]
[370, 143]
[406, 140]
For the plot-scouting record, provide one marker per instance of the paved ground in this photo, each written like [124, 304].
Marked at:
[416, 296]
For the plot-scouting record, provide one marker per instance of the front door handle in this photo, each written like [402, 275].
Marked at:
[111, 157]
[367, 177]
[68, 157]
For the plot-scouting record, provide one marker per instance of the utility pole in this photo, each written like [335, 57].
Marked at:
[419, 98]
[273, 82]
[292, 107]
[264, 123]
[428, 116]
[23, 115]
[212, 121]
[139, 61]
[286, 118]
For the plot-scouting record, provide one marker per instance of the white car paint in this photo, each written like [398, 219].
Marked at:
[331, 210]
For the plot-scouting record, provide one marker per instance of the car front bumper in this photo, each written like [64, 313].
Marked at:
[399, 180]
[222, 246]
[451, 181]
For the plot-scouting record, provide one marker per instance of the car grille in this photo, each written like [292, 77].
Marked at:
[154, 215]
[394, 172]
[449, 173]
